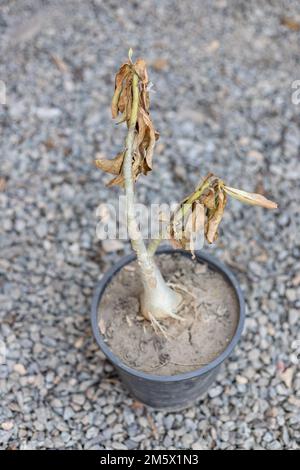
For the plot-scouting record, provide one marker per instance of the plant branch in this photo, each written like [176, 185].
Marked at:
[133, 229]
[153, 245]
[186, 205]
[158, 301]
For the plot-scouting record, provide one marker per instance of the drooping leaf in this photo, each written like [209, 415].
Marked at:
[112, 166]
[122, 74]
[209, 199]
[187, 227]
[146, 135]
[146, 138]
[214, 218]
[117, 181]
[194, 230]
[250, 198]
[141, 70]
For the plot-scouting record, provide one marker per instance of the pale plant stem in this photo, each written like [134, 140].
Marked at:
[153, 245]
[158, 300]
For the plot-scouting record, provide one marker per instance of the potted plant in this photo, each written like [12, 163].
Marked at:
[166, 318]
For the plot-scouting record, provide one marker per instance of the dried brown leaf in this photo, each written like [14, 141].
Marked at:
[194, 231]
[209, 199]
[149, 138]
[141, 70]
[117, 181]
[187, 227]
[112, 166]
[250, 198]
[146, 134]
[214, 218]
[291, 23]
[122, 74]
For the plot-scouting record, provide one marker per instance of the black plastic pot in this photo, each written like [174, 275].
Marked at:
[168, 392]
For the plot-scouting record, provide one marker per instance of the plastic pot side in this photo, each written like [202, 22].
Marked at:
[161, 391]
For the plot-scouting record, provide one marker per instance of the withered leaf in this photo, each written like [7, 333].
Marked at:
[209, 199]
[141, 70]
[123, 73]
[195, 220]
[194, 232]
[146, 134]
[291, 23]
[117, 181]
[187, 227]
[214, 218]
[112, 166]
[146, 138]
[250, 198]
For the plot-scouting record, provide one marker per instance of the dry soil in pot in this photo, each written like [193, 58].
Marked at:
[210, 315]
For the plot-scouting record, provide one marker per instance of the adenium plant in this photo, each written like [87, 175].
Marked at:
[199, 213]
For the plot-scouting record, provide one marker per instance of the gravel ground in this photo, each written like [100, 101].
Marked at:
[223, 72]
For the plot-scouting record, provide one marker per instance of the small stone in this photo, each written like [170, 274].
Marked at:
[287, 376]
[283, 220]
[92, 432]
[130, 445]
[241, 380]
[39, 426]
[47, 113]
[268, 437]
[7, 425]
[180, 172]
[20, 369]
[281, 390]
[68, 413]
[253, 355]
[112, 246]
[167, 441]
[255, 155]
[56, 403]
[291, 295]
[7, 225]
[118, 446]
[168, 421]
[187, 440]
[255, 268]
[41, 230]
[213, 46]
[199, 445]
[293, 316]
[111, 419]
[296, 280]
[20, 225]
[215, 392]
[78, 399]
[143, 422]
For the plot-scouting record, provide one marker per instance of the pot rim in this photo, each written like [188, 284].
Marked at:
[200, 256]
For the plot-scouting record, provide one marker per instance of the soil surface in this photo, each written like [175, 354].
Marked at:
[209, 318]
